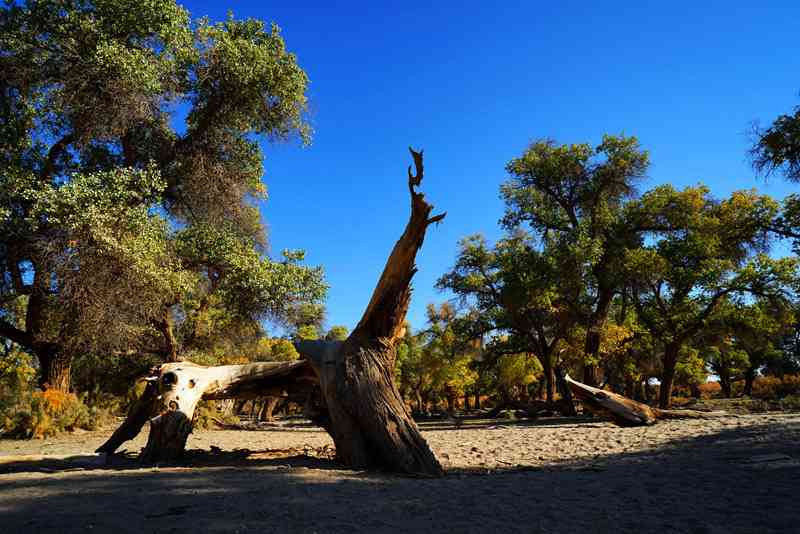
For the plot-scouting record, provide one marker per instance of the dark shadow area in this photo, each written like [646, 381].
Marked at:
[741, 480]
[313, 458]
[489, 424]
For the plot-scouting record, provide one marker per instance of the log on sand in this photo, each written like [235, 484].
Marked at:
[350, 385]
[624, 411]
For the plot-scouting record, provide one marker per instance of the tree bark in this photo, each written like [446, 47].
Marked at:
[621, 410]
[269, 407]
[749, 379]
[56, 365]
[566, 393]
[626, 412]
[597, 320]
[164, 325]
[369, 423]
[671, 351]
[549, 376]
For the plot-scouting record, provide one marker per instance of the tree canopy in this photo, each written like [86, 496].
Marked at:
[118, 218]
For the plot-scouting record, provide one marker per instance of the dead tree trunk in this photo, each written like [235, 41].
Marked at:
[368, 419]
[268, 408]
[174, 390]
[359, 406]
[624, 411]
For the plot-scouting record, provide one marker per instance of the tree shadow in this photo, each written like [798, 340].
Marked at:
[737, 480]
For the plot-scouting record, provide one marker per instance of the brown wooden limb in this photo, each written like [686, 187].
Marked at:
[386, 311]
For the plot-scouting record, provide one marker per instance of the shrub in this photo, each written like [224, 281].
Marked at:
[773, 387]
[47, 413]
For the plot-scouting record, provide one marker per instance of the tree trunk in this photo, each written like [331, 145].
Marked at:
[451, 402]
[466, 402]
[269, 407]
[566, 393]
[626, 412]
[725, 383]
[55, 369]
[749, 379]
[621, 410]
[164, 325]
[671, 351]
[597, 320]
[549, 377]
[174, 390]
[369, 423]
[629, 386]
[477, 403]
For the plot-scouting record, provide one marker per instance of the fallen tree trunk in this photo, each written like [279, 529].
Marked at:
[357, 401]
[624, 411]
[174, 389]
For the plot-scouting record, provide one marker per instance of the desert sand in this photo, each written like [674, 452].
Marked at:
[736, 473]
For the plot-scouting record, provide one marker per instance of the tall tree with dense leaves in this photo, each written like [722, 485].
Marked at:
[776, 149]
[111, 217]
[514, 289]
[709, 251]
[572, 199]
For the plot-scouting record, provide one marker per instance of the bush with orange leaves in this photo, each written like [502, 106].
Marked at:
[773, 387]
[45, 414]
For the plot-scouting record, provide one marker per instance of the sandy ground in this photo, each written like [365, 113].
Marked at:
[728, 474]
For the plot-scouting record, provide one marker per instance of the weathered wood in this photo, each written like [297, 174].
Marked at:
[626, 412]
[622, 410]
[139, 413]
[174, 389]
[369, 422]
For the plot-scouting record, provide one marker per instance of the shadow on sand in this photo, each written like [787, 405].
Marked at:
[740, 480]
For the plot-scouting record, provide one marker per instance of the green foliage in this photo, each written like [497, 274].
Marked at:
[337, 333]
[515, 372]
[46, 413]
[116, 230]
[777, 147]
[701, 253]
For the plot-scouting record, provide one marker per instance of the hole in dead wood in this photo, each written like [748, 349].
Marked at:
[169, 379]
[173, 405]
[191, 383]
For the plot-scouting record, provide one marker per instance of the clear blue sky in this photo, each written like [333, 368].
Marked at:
[473, 83]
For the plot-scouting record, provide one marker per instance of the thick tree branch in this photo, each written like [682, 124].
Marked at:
[52, 156]
[383, 318]
[16, 335]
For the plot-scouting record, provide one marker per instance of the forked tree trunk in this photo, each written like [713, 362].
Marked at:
[671, 351]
